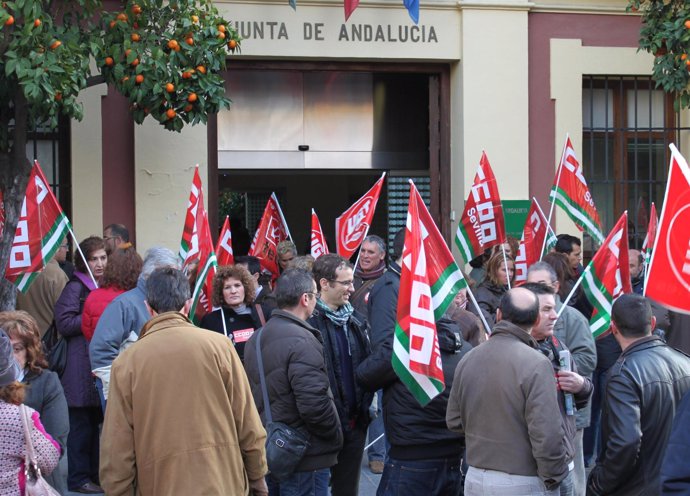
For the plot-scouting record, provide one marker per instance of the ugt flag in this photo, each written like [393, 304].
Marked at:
[41, 228]
[650, 238]
[197, 247]
[668, 276]
[571, 193]
[352, 225]
[429, 281]
[318, 240]
[224, 253]
[272, 230]
[482, 225]
[608, 276]
[537, 239]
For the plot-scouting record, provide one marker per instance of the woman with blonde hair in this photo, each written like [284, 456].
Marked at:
[13, 445]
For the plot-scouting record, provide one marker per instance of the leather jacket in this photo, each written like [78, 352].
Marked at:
[644, 387]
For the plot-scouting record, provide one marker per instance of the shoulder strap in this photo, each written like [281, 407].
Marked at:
[260, 313]
[30, 460]
[262, 377]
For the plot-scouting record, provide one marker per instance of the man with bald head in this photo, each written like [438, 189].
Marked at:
[504, 401]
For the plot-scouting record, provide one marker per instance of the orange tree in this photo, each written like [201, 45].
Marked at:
[665, 33]
[165, 57]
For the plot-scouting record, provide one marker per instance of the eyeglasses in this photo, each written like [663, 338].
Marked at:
[314, 294]
[345, 284]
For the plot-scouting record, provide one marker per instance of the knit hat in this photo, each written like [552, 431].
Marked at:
[9, 370]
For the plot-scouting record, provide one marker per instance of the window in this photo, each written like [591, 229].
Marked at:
[627, 127]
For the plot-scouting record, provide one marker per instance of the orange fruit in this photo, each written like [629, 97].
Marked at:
[186, 75]
[139, 79]
[221, 28]
[127, 52]
[195, 19]
[169, 87]
[687, 24]
[112, 24]
[232, 44]
[188, 108]
[201, 69]
[221, 35]
[122, 17]
[189, 41]
[192, 98]
[135, 62]
[37, 23]
[136, 10]
[58, 96]
[135, 37]
[178, 48]
[109, 61]
[684, 56]
[9, 21]
[55, 44]
[687, 62]
[172, 44]
[170, 113]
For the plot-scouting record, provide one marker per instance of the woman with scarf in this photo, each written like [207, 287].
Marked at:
[237, 317]
[85, 414]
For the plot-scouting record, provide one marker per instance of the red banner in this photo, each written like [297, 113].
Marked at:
[318, 240]
[668, 277]
[352, 225]
[224, 247]
[272, 230]
[532, 242]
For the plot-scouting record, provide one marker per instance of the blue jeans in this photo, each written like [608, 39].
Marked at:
[566, 488]
[441, 477]
[377, 451]
[300, 484]
[591, 440]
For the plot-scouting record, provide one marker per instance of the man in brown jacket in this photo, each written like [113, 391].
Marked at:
[180, 419]
[504, 401]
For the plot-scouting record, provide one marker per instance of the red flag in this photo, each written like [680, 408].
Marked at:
[272, 230]
[224, 247]
[651, 235]
[668, 277]
[350, 6]
[482, 225]
[318, 240]
[352, 225]
[41, 228]
[534, 233]
[197, 246]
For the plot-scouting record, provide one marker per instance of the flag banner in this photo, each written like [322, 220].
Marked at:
[571, 193]
[350, 6]
[272, 230]
[608, 276]
[535, 235]
[429, 280]
[224, 255]
[650, 238]
[482, 225]
[668, 276]
[318, 240]
[412, 7]
[196, 248]
[40, 230]
[352, 225]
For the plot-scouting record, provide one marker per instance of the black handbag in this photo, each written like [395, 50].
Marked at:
[55, 347]
[285, 445]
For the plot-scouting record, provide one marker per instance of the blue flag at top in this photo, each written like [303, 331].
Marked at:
[412, 7]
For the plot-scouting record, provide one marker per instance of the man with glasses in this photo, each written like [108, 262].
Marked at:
[346, 345]
[61, 257]
[297, 383]
[114, 235]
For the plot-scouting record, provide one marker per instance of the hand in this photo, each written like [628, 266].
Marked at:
[570, 382]
[258, 487]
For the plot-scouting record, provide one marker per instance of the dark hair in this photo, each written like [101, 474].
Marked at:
[632, 315]
[290, 287]
[398, 244]
[326, 266]
[565, 243]
[377, 240]
[479, 261]
[252, 263]
[22, 326]
[524, 317]
[494, 263]
[123, 269]
[88, 247]
[238, 272]
[539, 288]
[167, 290]
[559, 262]
[118, 230]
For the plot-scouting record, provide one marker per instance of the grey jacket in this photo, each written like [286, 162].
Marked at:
[572, 329]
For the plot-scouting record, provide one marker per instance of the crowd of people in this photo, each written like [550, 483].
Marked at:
[146, 402]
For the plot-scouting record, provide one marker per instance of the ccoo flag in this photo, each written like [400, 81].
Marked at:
[318, 240]
[571, 193]
[481, 225]
[535, 235]
[608, 276]
[272, 230]
[224, 253]
[650, 238]
[429, 280]
[352, 225]
[41, 228]
[668, 276]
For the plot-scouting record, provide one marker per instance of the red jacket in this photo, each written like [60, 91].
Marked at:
[94, 306]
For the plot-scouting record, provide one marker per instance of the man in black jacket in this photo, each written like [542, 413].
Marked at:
[297, 383]
[644, 387]
[345, 346]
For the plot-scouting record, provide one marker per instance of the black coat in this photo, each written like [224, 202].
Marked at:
[488, 297]
[297, 384]
[643, 390]
[675, 470]
[238, 326]
[359, 348]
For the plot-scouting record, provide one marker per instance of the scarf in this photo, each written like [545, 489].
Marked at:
[340, 316]
[373, 274]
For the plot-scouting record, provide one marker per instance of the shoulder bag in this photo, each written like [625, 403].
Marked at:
[55, 347]
[285, 445]
[36, 485]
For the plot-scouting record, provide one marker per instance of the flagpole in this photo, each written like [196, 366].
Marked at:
[505, 262]
[558, 180]
[479, 310]
[282, 217]
[572, 291]
[222, 316]
[548, 228]
[86, 263]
